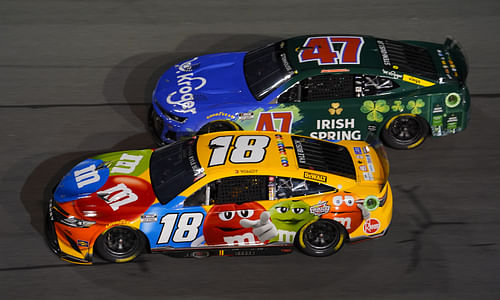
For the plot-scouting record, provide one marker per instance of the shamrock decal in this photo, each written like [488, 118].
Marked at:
[398, 106]
[374, 110]
[415, 106]
[335, 109]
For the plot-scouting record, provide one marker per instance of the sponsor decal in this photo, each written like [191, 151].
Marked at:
[82, 243]
[392, 74]
[86, 176]
[371, 226]
[186, 83]
[363, 168]
[335, 109]
[371, 168]
[285, 62]
[336, 124]
[383, 53]
[300, 151]
[281, 149]
[117, 196]
[345, 221]
[452, 123]
[245, 116]
[417, 81]
[120, 222]
[437, 109]
[186, 66]
[127, 163]
[360, 157]
[357, 150]
[368, 176]
[368, 158]
[316, 177]
[320, 209]
[221, 114]
[149, 218]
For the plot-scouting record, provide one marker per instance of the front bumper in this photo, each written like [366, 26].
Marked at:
[63, 245]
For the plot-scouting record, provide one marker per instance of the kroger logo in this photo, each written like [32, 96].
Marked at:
[184, 96]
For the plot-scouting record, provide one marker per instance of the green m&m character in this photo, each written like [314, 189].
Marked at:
[288, 217]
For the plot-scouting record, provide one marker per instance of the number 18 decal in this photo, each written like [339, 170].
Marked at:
[321, 49]
[186, 226]
[247, 149]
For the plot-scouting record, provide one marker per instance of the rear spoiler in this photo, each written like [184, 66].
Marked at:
[458, 57]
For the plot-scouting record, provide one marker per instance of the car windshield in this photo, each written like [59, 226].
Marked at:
[174, 168]
[266, 69]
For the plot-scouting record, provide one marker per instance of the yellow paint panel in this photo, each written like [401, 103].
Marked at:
[417, 81]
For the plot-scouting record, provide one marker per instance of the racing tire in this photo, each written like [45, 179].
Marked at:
[217, 126]
[155, 125]
[120, 244]
[405, 132]
[321, 238]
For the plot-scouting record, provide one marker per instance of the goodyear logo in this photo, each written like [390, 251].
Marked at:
[417, 81]
[316, 177]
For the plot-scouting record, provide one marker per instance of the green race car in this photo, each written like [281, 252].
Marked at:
[335, 87]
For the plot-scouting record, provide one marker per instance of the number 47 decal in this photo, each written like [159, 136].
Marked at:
[321, 49]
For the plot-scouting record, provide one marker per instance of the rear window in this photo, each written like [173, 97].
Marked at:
[408, 58]
[324, 156]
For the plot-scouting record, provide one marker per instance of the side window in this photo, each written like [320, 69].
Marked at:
[320, 87]
[235, 189]
[293, 187]
[368, 85]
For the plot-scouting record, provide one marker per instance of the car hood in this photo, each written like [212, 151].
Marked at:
[203, 83]
[109, 187]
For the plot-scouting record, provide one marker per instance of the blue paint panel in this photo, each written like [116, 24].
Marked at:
[170, 225]
[84, 179]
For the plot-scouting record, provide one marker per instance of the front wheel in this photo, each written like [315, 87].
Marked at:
[120, 244]
[321, 238]
[217, 126]
[405, 132]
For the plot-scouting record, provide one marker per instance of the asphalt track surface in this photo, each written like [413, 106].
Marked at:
[75, 80]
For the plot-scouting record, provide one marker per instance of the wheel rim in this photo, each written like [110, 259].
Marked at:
[120, 241]
[406, 130]
[321, 235]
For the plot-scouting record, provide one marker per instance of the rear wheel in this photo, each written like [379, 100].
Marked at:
[321, 238]
[218, 126]
[405, 132]
[120, 244]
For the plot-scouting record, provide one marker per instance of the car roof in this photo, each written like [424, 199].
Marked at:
[369, 55]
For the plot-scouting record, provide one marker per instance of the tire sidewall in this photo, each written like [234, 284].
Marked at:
[302, 243]
[130, 255]
[395, 143]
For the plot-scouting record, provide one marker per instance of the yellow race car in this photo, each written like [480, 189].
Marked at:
[223, 193]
